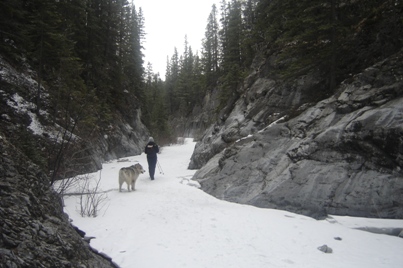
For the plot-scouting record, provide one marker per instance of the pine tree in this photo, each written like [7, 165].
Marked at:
[12, 21]
[133, 56]
[231, 39]
[248, 46]
[198, 84]
[211, 48]
[171, 82]
[45, 41]
[223, 32]
[184, 82]
[156, 112]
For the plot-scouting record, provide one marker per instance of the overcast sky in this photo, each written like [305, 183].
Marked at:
[166, 24]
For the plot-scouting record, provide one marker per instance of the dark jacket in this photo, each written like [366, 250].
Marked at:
[151, 149]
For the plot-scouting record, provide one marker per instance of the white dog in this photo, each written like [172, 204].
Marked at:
[130, 175]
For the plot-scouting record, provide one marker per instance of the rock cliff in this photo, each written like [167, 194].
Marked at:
[315, 139]
[34, 230]
[40, 135]
[34, 150]
[343, 155]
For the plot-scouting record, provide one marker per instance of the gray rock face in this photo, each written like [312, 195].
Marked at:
[343, 155]
[34, 230]
[200, 119]
[18, 122]
[259, 105]
[120, 141]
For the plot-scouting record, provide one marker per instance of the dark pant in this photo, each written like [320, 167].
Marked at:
[152, 162]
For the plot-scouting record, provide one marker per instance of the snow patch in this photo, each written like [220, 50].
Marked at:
[21, 106]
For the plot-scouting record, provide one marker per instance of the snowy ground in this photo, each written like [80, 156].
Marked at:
[171, 223]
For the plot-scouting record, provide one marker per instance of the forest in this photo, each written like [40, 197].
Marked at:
[88, 54]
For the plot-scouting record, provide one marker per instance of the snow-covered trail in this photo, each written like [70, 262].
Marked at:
[169, 223]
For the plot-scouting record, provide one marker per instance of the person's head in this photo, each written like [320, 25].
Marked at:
[151, 139]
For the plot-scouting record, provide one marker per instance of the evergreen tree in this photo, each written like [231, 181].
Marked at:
[314, 34]
[211, 48]
[231, 38]
[248, 46]
[156, 112]
[147, 106]
[183, 88]
[133, 56]
[46, 41]
[12, 22]
[223, 32]
[171, 82]
[198, 84]
[86, 53]
[185, 82]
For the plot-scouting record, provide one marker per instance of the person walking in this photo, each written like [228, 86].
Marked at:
[151, 151]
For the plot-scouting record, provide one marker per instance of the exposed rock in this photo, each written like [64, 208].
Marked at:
[386, 231]
[259, 105]
[121, 140]
[40, 136]
[342, 156]
[34, 230]
[325, 249]
[200, 119]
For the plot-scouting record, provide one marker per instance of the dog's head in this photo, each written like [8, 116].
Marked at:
[139, 168]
